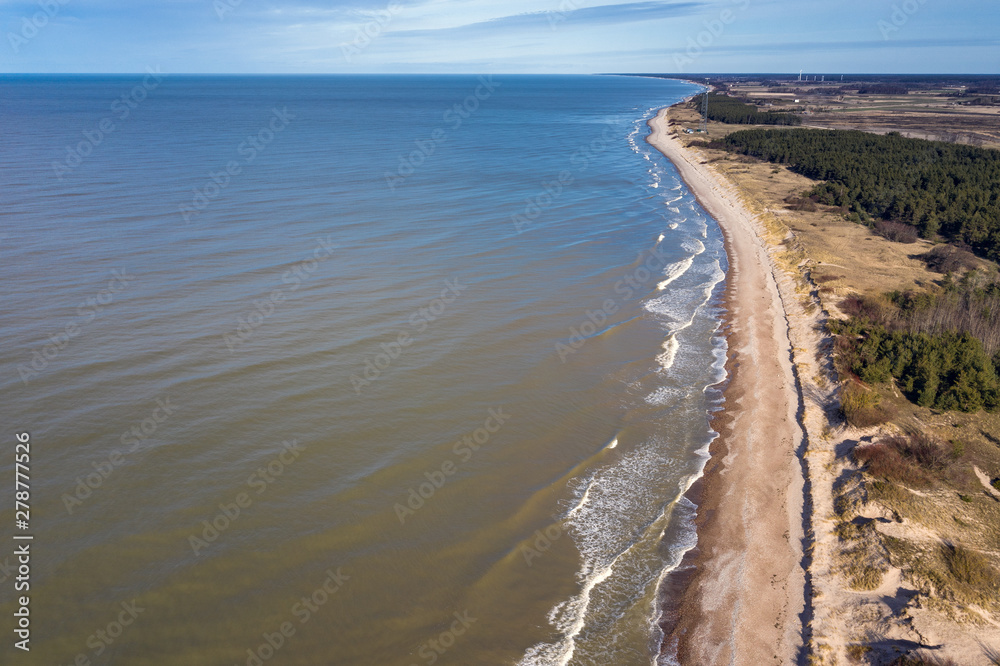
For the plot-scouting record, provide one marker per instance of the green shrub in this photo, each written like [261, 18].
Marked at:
[857, 651]
[957, 449]
[861, 406]
[948, 371]
[896, 231]
[885, 462]
[922, 449]
[912, 459]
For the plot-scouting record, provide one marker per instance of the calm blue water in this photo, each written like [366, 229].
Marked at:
[411, 368]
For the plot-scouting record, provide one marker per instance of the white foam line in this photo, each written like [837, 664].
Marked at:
[718, 276]
[693, 245]
[671, 344]
[570, 617]
[581, 604]
[690, 540]
[581, 615]
[674, 271]
[613, 443]
[560, 654]
[583, 498]
[670, 347]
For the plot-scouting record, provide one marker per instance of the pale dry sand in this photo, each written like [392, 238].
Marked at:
[746, 601]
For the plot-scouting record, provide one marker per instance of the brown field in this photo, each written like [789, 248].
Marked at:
[931, 114]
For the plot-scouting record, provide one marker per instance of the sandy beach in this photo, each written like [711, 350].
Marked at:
[746, 599]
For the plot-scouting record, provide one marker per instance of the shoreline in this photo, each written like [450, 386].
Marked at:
[739, 596]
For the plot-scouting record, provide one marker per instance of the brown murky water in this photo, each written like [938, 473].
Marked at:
[297, 415]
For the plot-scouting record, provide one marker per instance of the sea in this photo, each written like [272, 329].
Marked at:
[310, 370]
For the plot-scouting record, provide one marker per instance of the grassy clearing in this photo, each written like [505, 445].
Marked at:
[863, 558]
[971, 570]
[862, 407]
[962, 577]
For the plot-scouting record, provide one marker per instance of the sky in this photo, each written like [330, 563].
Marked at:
[509, 36]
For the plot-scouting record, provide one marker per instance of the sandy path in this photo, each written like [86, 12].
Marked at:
[745, 600]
